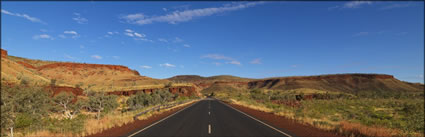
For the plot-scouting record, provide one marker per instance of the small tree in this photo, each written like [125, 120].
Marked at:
[101, 103]
[64, 102]
[53, 82]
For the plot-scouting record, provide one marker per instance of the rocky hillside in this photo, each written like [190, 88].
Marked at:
[348, 83]
[96, 77]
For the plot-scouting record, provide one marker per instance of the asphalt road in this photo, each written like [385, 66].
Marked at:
[209, 117]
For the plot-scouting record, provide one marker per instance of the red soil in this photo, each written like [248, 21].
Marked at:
[26, 65]
[3, 53]
[289, 125]
[71, 66]
[126, 129]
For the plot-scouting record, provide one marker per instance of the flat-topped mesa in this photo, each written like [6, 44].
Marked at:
[336, 76]
[3, 53]
[83, 65]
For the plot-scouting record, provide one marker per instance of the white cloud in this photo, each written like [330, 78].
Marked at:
[79, 19]
[186, 15]
[294, 66]
[177, 40]
[129, 30]
[136, 35]
[351, 5]
[129, 34]
[217, 56]
[82, 46]
[356, 4]
[133, 17]
[96, 57]
[235, 62]
[168, 65]
[163, 40]
[116, 57]
[68, 56]
[145, 67]
[139, 35]
[221, 57]
[42, 36]
[217, 63]
[256, 61]
[398, 5]
[110, 33]
[71, 32]
[186, 45]
[32, 19]
[164, 9]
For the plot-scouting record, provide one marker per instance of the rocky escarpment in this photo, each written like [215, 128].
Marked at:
[87, 66]
[339, 82]
[3, 53]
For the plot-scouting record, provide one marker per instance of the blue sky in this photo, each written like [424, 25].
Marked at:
[247, 39]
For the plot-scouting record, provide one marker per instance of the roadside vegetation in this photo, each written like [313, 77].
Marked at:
[366, 113]
[32, 111]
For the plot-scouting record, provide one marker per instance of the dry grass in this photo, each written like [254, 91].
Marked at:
[114, 119]
[361, 130]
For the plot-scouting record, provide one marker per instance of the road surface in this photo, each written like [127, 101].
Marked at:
[209, 117]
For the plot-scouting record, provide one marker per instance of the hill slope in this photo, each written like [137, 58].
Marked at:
[96, 77]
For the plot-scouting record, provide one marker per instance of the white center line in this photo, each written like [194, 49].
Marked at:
[209, 129]
[208, 113]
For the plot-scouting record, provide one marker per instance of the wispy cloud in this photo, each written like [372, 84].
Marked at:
[351, 5]
[116, 57]
[68, 56]
[222, 57]
[234, 62]
[163, 40]
[186, 15]
[186, 45]
[73, 33]
[177, 40]
[96, 57]
[168, 65]
[79, 19]
[136, 35]
[356, 4]
[32, 19]
[256, 61]
[361, 34]
[42, 36]
[145, 67]
[397, 5]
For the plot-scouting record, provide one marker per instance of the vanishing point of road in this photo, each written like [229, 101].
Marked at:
[209, 117]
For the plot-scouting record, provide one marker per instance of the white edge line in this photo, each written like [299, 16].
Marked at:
[209, 128]
[256, 119]
[160, 121]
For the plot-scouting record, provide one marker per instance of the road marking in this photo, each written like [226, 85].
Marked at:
[209, 129]
[257, 120]
[161, 120]
[208, 113]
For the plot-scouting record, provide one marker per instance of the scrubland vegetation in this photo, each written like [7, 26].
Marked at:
[365, 113]
[32, 111]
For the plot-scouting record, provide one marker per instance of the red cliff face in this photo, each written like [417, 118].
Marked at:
[58, 89]
[26, 65]
[3, 53]
[81, 65]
